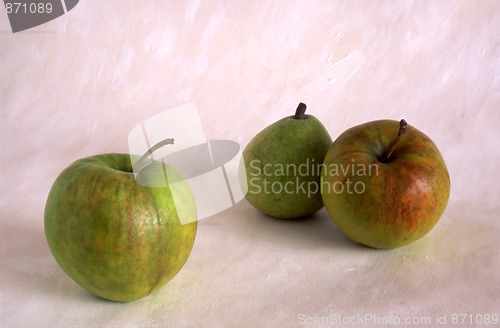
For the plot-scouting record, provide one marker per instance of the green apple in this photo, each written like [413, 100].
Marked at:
[283, 165]
[115, 237]
[384, 183]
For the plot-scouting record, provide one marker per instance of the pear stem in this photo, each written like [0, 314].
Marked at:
[300, 112]
[164, 142]
[402, 130]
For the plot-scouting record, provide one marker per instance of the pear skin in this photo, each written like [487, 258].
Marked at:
[283, 166]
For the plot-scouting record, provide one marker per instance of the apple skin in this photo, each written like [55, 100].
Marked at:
[116, 238]
[402, 199]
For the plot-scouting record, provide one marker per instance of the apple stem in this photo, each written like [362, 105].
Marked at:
[164, 142]
[402, 130]
[300, 112]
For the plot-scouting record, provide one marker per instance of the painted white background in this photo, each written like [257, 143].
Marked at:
[77, 85]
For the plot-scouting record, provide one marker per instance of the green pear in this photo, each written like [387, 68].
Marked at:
[283, 166]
